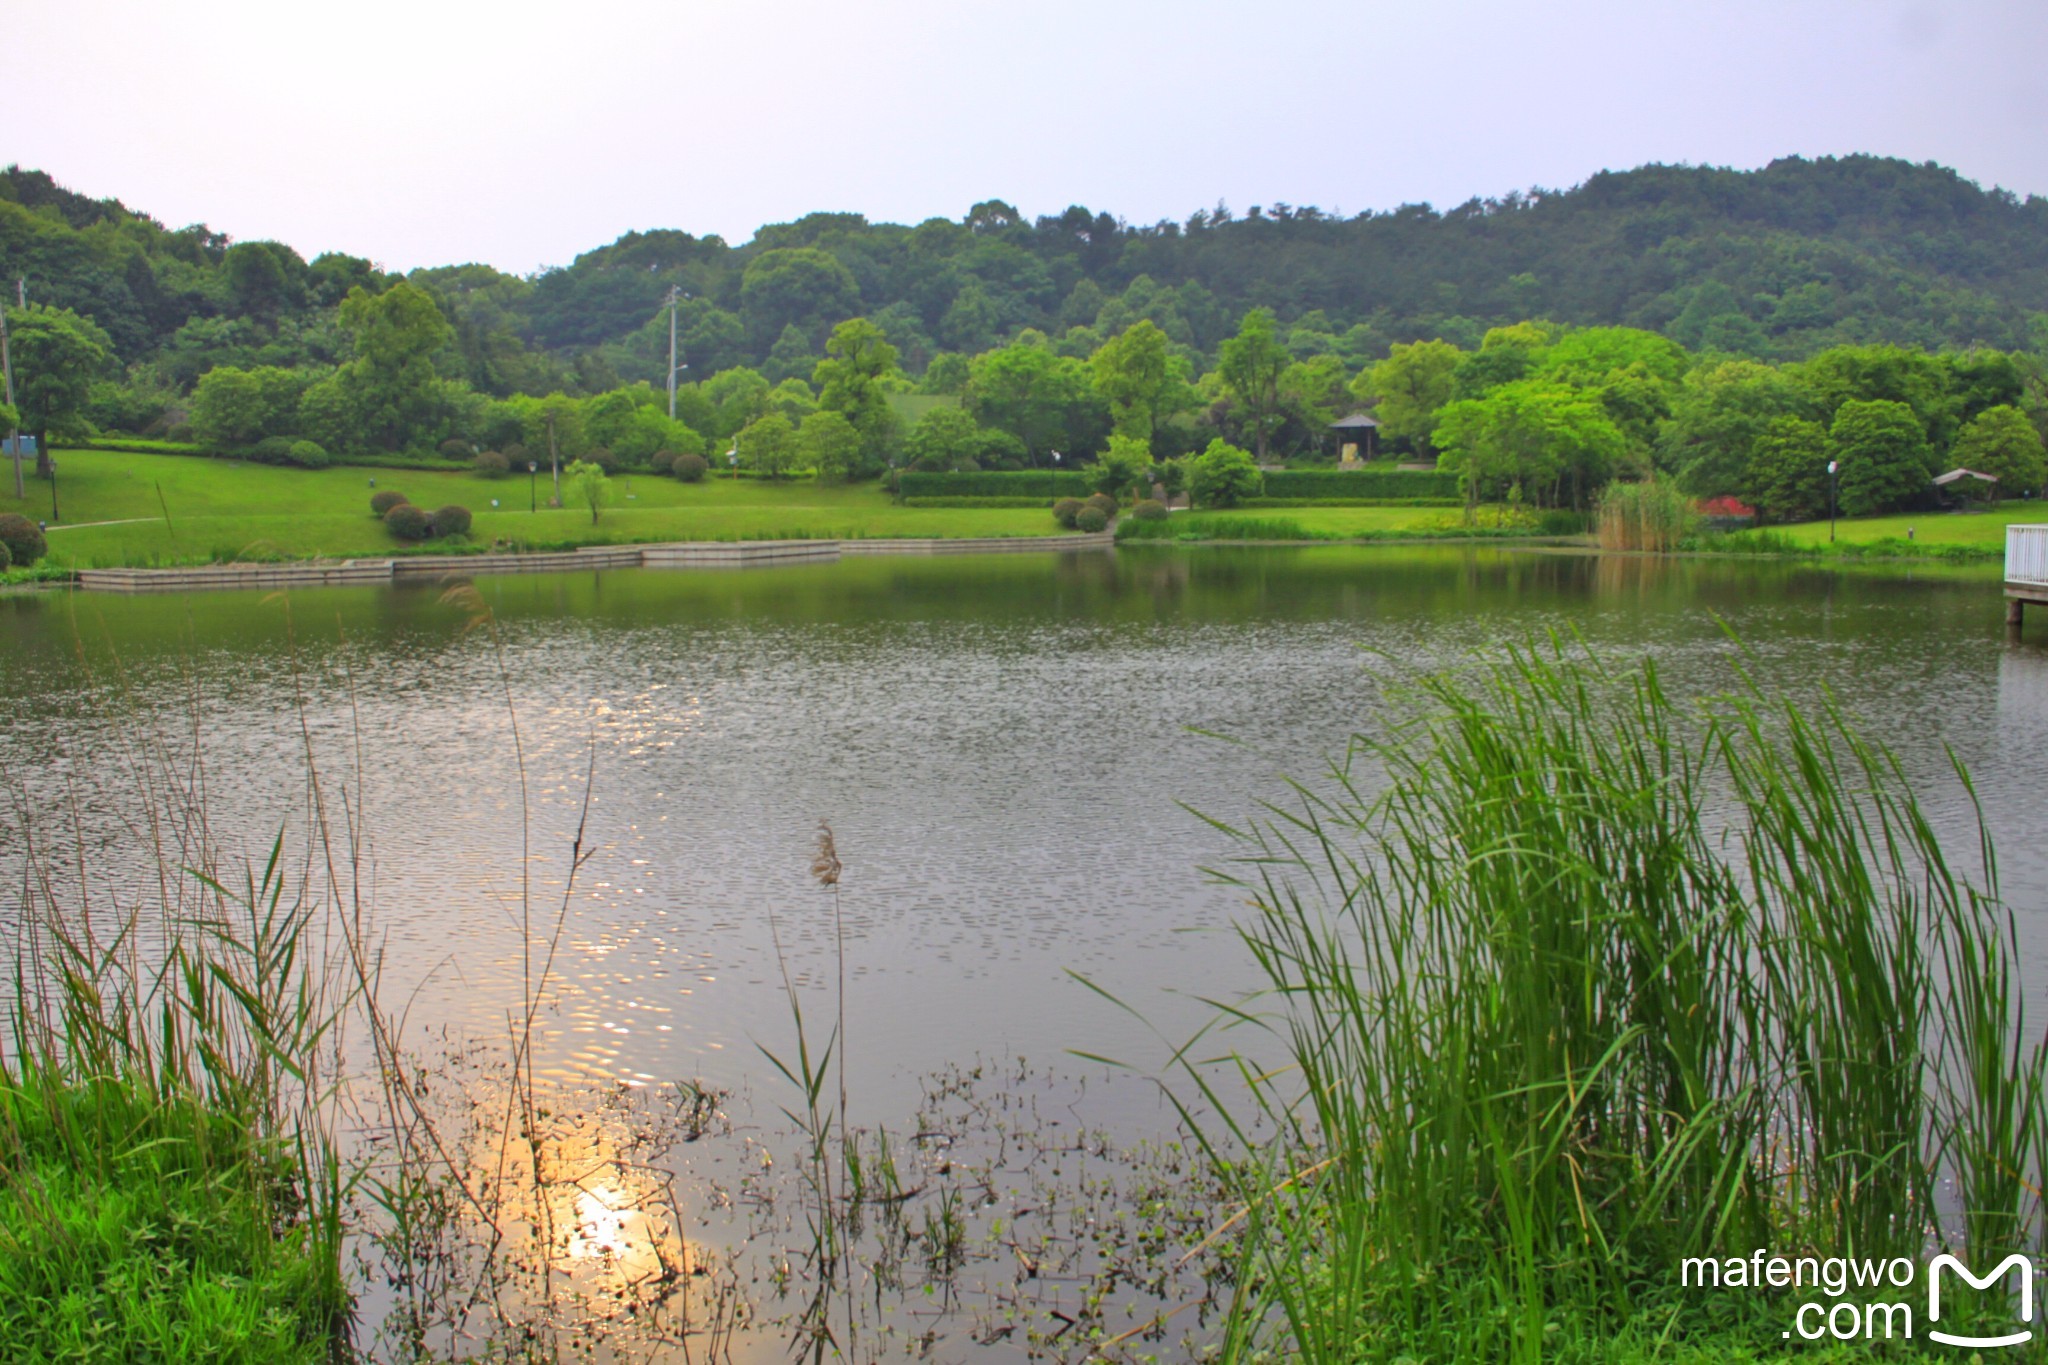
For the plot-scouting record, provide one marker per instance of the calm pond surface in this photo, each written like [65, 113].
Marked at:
[1001, 743]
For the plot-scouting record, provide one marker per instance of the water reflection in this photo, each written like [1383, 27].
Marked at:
[999, 742]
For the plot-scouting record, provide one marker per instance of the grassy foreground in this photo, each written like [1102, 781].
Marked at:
[1549, 1031]
[123, 508]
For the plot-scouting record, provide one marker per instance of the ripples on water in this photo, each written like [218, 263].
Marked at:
[1001, 745]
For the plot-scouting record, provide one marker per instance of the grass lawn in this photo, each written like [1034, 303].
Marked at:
[222, 510]
[1355, 521]
[1985, 528]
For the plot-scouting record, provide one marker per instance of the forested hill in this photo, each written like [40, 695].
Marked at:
[1777, 263]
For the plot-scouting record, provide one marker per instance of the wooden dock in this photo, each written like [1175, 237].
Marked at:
[2026, 571]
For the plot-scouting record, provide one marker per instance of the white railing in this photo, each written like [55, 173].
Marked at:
[2026, 555]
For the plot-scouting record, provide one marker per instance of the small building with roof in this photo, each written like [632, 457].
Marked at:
[1357, 436]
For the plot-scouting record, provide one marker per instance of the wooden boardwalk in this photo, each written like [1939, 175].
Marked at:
[2026, 571]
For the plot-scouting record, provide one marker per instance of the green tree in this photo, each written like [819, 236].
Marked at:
[591, 487]
[1043, 399]
[1411, 384]
[1716, 418]
[769, 445]
[1557, 445]
[264, 279]
[1586, 356]
[232, 407]
[1223, 475]
[1786, 478]
[56, 355]
[394, 393]
[804, 287]
[1313, 394]
[1883, 454]
[1140, 380]
[1250, 365]
[2001, 441]
[608, 418]
[854, 380]
[737, 396]
[942, 438]
[1896, 374]
[946, 374]
[1120, 466]
[828, 443]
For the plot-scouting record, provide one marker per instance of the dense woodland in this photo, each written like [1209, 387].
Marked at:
[1720, 325]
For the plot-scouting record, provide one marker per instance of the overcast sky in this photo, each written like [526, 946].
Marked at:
[420, 132]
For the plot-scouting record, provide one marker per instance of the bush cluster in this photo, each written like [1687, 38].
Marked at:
[452, 520]
[490, 464]
[1090, 518]
[23, 539]
[408, 522]
[383, 500]
[309, 455]
[689, 468]
[1149, 509]
[1065, 510]
[602, 458]
[1103, 503]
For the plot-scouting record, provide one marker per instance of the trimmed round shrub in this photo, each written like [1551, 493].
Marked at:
[515, 455]
[23, 539]
[1149, 509]
[383, 500]
[602, 458]
[689, 468]
[489, 464]
[1091, 518]
[272, 450]
[408, 522]
[308, 455]
[1065, 510]
[456, 449]
[967, 465]
[452, 520]
[1104, 502]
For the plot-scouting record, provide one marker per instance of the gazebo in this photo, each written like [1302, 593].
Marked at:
[1967, 484]
[1354, 432]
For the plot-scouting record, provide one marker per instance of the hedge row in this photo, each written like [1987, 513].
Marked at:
[1378, 484]
[964, 503]
[1351, 502]
[996, 483]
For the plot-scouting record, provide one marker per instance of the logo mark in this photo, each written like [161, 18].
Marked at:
[2015, 1263]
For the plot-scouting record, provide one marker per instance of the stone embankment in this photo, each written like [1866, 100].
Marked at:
[737, 554]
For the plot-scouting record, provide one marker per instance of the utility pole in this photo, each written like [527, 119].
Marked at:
[675, 298]
[14, 433]
[554, 460]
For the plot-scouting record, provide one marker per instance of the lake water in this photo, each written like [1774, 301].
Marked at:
[1003, 746]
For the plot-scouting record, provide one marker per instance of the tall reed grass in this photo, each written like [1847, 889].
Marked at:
[1595, 982]
[169, 1190]
[1652, 515]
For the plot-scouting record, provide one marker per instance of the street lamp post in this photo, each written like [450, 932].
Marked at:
[732, 458]
[532, 485]
[1055, 490]
[1832, 481]
[53, 491]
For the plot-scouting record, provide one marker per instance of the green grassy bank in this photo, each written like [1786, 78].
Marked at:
[127, 508]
